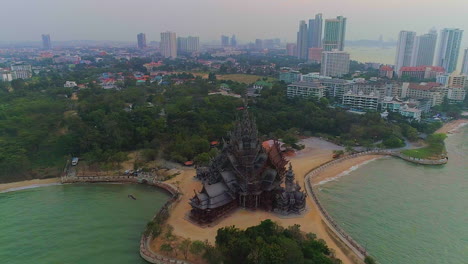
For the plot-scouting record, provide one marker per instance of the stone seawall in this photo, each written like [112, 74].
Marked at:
[92, 179]
[145, 250]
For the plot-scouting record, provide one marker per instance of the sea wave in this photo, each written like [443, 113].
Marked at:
[457, 128]
[346, 172]
[29, 187]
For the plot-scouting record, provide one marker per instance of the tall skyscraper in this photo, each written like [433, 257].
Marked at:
[449, 48]
[424, 49]
[141, 40]
[182, 44]
[193, 44]
[233, 41]
[334, 36]
[315, 32]
[168, 44]
[464, 69]
[405, 46]
[46, 42]
[224, 41]
[302, 37]
[334, 63]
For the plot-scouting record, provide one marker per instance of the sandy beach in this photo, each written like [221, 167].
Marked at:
[317, 152]
[25, 184]
[452, 126]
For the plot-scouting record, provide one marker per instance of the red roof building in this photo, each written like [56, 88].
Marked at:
[421, 72]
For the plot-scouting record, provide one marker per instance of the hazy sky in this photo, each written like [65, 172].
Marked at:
[248, 19]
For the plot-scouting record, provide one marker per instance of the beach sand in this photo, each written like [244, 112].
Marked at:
[452, 126]
[25, 184]
[316, 153]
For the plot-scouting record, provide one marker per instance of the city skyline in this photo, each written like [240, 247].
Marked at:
[53, 17]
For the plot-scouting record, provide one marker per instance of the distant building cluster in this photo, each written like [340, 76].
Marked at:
[410, 99]
[418, 51]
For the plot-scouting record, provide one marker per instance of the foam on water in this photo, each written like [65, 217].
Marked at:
[346, 172]
[32, 186]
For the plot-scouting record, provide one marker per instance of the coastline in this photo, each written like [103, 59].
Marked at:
[21, 185]
[342, 169]
[452, 126]
[317, 152]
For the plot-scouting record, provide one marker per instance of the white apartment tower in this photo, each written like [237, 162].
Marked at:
[334, 63]
[404, 49]
[449, 48]
[424, 49]
[464, 69]
[168, 45]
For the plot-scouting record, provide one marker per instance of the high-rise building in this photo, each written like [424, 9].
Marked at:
[405, 46]
[334, 35]
[182, 44]
[46, 44]
[258, 44]
[315, 32]
[168, 44]
[233, 41]
[193, 44]
[334, 63]
[224, 41]
[141, 40]
[291, 49]
[424, 49]
[449, 48]
[302, 37]
[464, 69]
[188, 44]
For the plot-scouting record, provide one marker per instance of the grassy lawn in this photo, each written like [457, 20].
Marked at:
[242, 78]
[435, 150]
[429, 152]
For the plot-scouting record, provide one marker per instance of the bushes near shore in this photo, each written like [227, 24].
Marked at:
[434, 150]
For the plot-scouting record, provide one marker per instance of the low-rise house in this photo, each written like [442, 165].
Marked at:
[70, 84]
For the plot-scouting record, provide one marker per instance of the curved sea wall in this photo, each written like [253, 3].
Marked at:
[145, 250]
[359, 250]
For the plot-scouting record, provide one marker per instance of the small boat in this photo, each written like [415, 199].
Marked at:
[131, 196]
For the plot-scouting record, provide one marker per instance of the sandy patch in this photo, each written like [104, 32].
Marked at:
[4, 187]
[452, 126]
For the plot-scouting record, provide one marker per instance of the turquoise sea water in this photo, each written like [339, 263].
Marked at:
[405, 213]
[70, 224]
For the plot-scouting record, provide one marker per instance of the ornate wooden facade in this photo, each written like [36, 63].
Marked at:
[245, 174]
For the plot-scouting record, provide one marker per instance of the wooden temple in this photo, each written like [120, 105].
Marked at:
[244, 174]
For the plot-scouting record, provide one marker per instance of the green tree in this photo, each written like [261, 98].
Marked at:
[197, 247]
[185, 246]
[369, 260]
[166, 248]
